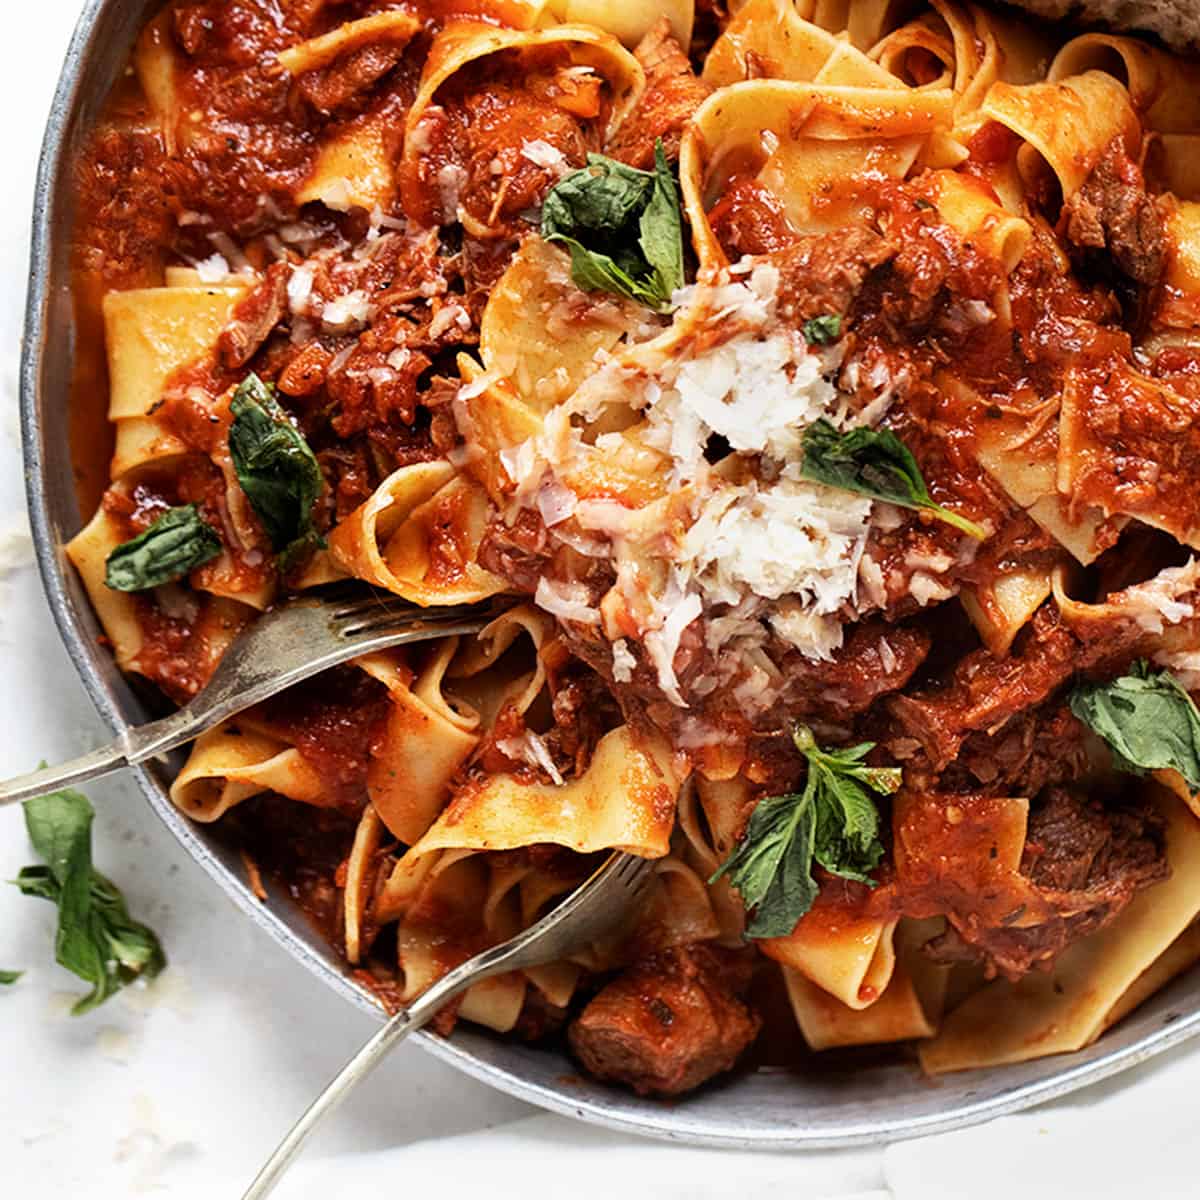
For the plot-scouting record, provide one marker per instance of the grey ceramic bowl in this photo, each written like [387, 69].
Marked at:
[760, 1110]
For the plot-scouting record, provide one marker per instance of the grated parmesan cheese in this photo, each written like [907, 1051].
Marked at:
[1167, 599]
[791, 538]
[566, 600]
[299, 288]
[346, 312]
[542, 154]
[213, 269]
[756, 553]
[623, 662]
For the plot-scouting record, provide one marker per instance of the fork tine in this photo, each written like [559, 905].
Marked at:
[378, 615]
[354, 606]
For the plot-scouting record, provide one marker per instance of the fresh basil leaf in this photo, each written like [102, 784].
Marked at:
[660, 228]
[833, 822]
[1148, 720]
[820, 331]
[605, 198]
[277, 469]
[10, 977]
[175, 544]
[623, 227]
[875, 463]
[96, 939]
[599, 273]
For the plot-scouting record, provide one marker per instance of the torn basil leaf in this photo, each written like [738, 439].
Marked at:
[96, 939]
[622, 226]
[10, 977]
[178, 542]
[833, 822]
[277, 469]
[820, 331]
[875, 463]
[1148, 720]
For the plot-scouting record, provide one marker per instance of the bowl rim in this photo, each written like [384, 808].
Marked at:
[611, 1109]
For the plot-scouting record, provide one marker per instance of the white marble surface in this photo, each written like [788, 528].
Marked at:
[179, 1090]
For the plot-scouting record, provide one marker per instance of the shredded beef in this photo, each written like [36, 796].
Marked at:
[669, 1023]
[987, 690]
[822, 273]
[672, 94]
[1086, 862]
[345, 80]
[517, 552]
[1112, 211]
[496, 124]
[749, 219]
[255, 316]
[1036, 749]
[877, 659]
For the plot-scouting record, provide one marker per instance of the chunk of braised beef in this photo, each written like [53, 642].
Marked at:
[821, 274]
[1113, 212]
[1036, 749]
[1086, 861]
[348, 79]
[518, 552]
[668, 1024]
[750, 219]
[672, 94]
[254, 318]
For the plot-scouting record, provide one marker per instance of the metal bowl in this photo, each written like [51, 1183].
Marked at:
[757, 1110]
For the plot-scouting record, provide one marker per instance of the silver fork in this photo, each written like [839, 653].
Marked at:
[599, 906]
[280, 648]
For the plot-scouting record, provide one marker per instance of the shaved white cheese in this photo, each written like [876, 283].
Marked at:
[662, 644]
[887, 656]
[346, 312]
[566, 600]
[1183, 664]
[555, 502]
[1167, 599]
[447, 317]
[925, 589]
[231, 252]
[542, 154]
[299, 288]
[623, 661]
[451, 179]
[789, 538]
[815, 635]
[213, 269]
[529, 748]
[519, 462]
[872, 589]
[759, 395]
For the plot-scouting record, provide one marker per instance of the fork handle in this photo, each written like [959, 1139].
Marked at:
[407, 1021]
[78, 770]
[132, 747]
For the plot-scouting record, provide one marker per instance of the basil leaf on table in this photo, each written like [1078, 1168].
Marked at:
[832, 822]
[96, 939]
[9, 977]
[1148, 720]
[179, 541]
[875, 463]
[623, 227]
[276, 467]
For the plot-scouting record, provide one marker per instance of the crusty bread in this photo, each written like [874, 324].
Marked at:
[1177, 22]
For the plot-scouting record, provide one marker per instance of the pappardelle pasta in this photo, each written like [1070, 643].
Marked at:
[818, 379]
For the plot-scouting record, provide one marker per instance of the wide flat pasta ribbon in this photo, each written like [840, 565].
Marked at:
[418, 535]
